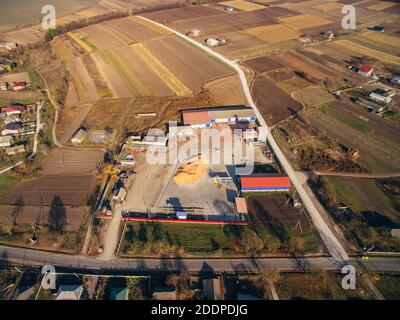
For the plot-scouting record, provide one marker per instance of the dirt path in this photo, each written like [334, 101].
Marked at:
[111, 236]
[271, 287]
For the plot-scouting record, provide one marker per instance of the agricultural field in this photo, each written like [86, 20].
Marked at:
[132, 57]
[274, 33]
[309, 149]
[72, 190]
[372, 209]
[274, 104]
[65, 162]
[243, 5]
[282, 224]
[376, 153]
[227, 91]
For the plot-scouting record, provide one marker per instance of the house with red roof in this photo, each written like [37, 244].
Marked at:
[365, 71]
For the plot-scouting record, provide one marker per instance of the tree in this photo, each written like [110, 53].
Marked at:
[50, 34]
[57, 215]
[19, 206]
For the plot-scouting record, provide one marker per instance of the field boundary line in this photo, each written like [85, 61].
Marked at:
[161, 70]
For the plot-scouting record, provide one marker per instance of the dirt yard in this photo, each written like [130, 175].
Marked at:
[73, 190]
[40, 215]
[65, 162]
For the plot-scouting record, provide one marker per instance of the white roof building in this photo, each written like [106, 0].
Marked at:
[6, 141]
[212, 42]
[69, 292]
[79, 136]
[379, 98]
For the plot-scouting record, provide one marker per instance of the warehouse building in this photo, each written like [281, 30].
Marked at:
[206, 118]
[265, 182]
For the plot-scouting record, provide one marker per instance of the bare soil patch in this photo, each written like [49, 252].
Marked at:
[274, 104]
[40, 215]
[66, 162]
[264, 64]
[73, 190]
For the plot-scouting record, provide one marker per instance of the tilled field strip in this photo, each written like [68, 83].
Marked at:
[360, 50]
[150, 25]
[101, 66]
[134, 80]
[84, 84]
[382, 38]
[61, 49]
[80, 42]
[161, 71]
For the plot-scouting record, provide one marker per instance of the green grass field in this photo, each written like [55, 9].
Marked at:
[346, 119]
[148, 238]
[7, 183]
[389, 286]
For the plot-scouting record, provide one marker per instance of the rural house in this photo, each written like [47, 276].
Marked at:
[164, 293]
[17, 86]
[8, 45]
[11, 128]
[15, 150]
[79, 136]
[366, 71]
[69, 292]
[212, 289]
[8, 110]
[6, 141]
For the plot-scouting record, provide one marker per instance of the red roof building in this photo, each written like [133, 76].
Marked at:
[13, 109]
[19, 86]
[365, 70]
[265, 182]
[195, 118]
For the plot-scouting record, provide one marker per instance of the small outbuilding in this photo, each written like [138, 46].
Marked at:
[6, 141]
[79, 136]
[164, 293]
[15, 150]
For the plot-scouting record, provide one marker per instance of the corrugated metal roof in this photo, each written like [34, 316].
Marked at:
[265, 180]
[227, 114]
[241, 206]
[195, 117]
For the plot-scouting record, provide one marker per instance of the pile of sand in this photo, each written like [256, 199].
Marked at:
[191, 172]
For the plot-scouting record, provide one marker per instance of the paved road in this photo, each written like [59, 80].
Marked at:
[332, 244]
[245, 265]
